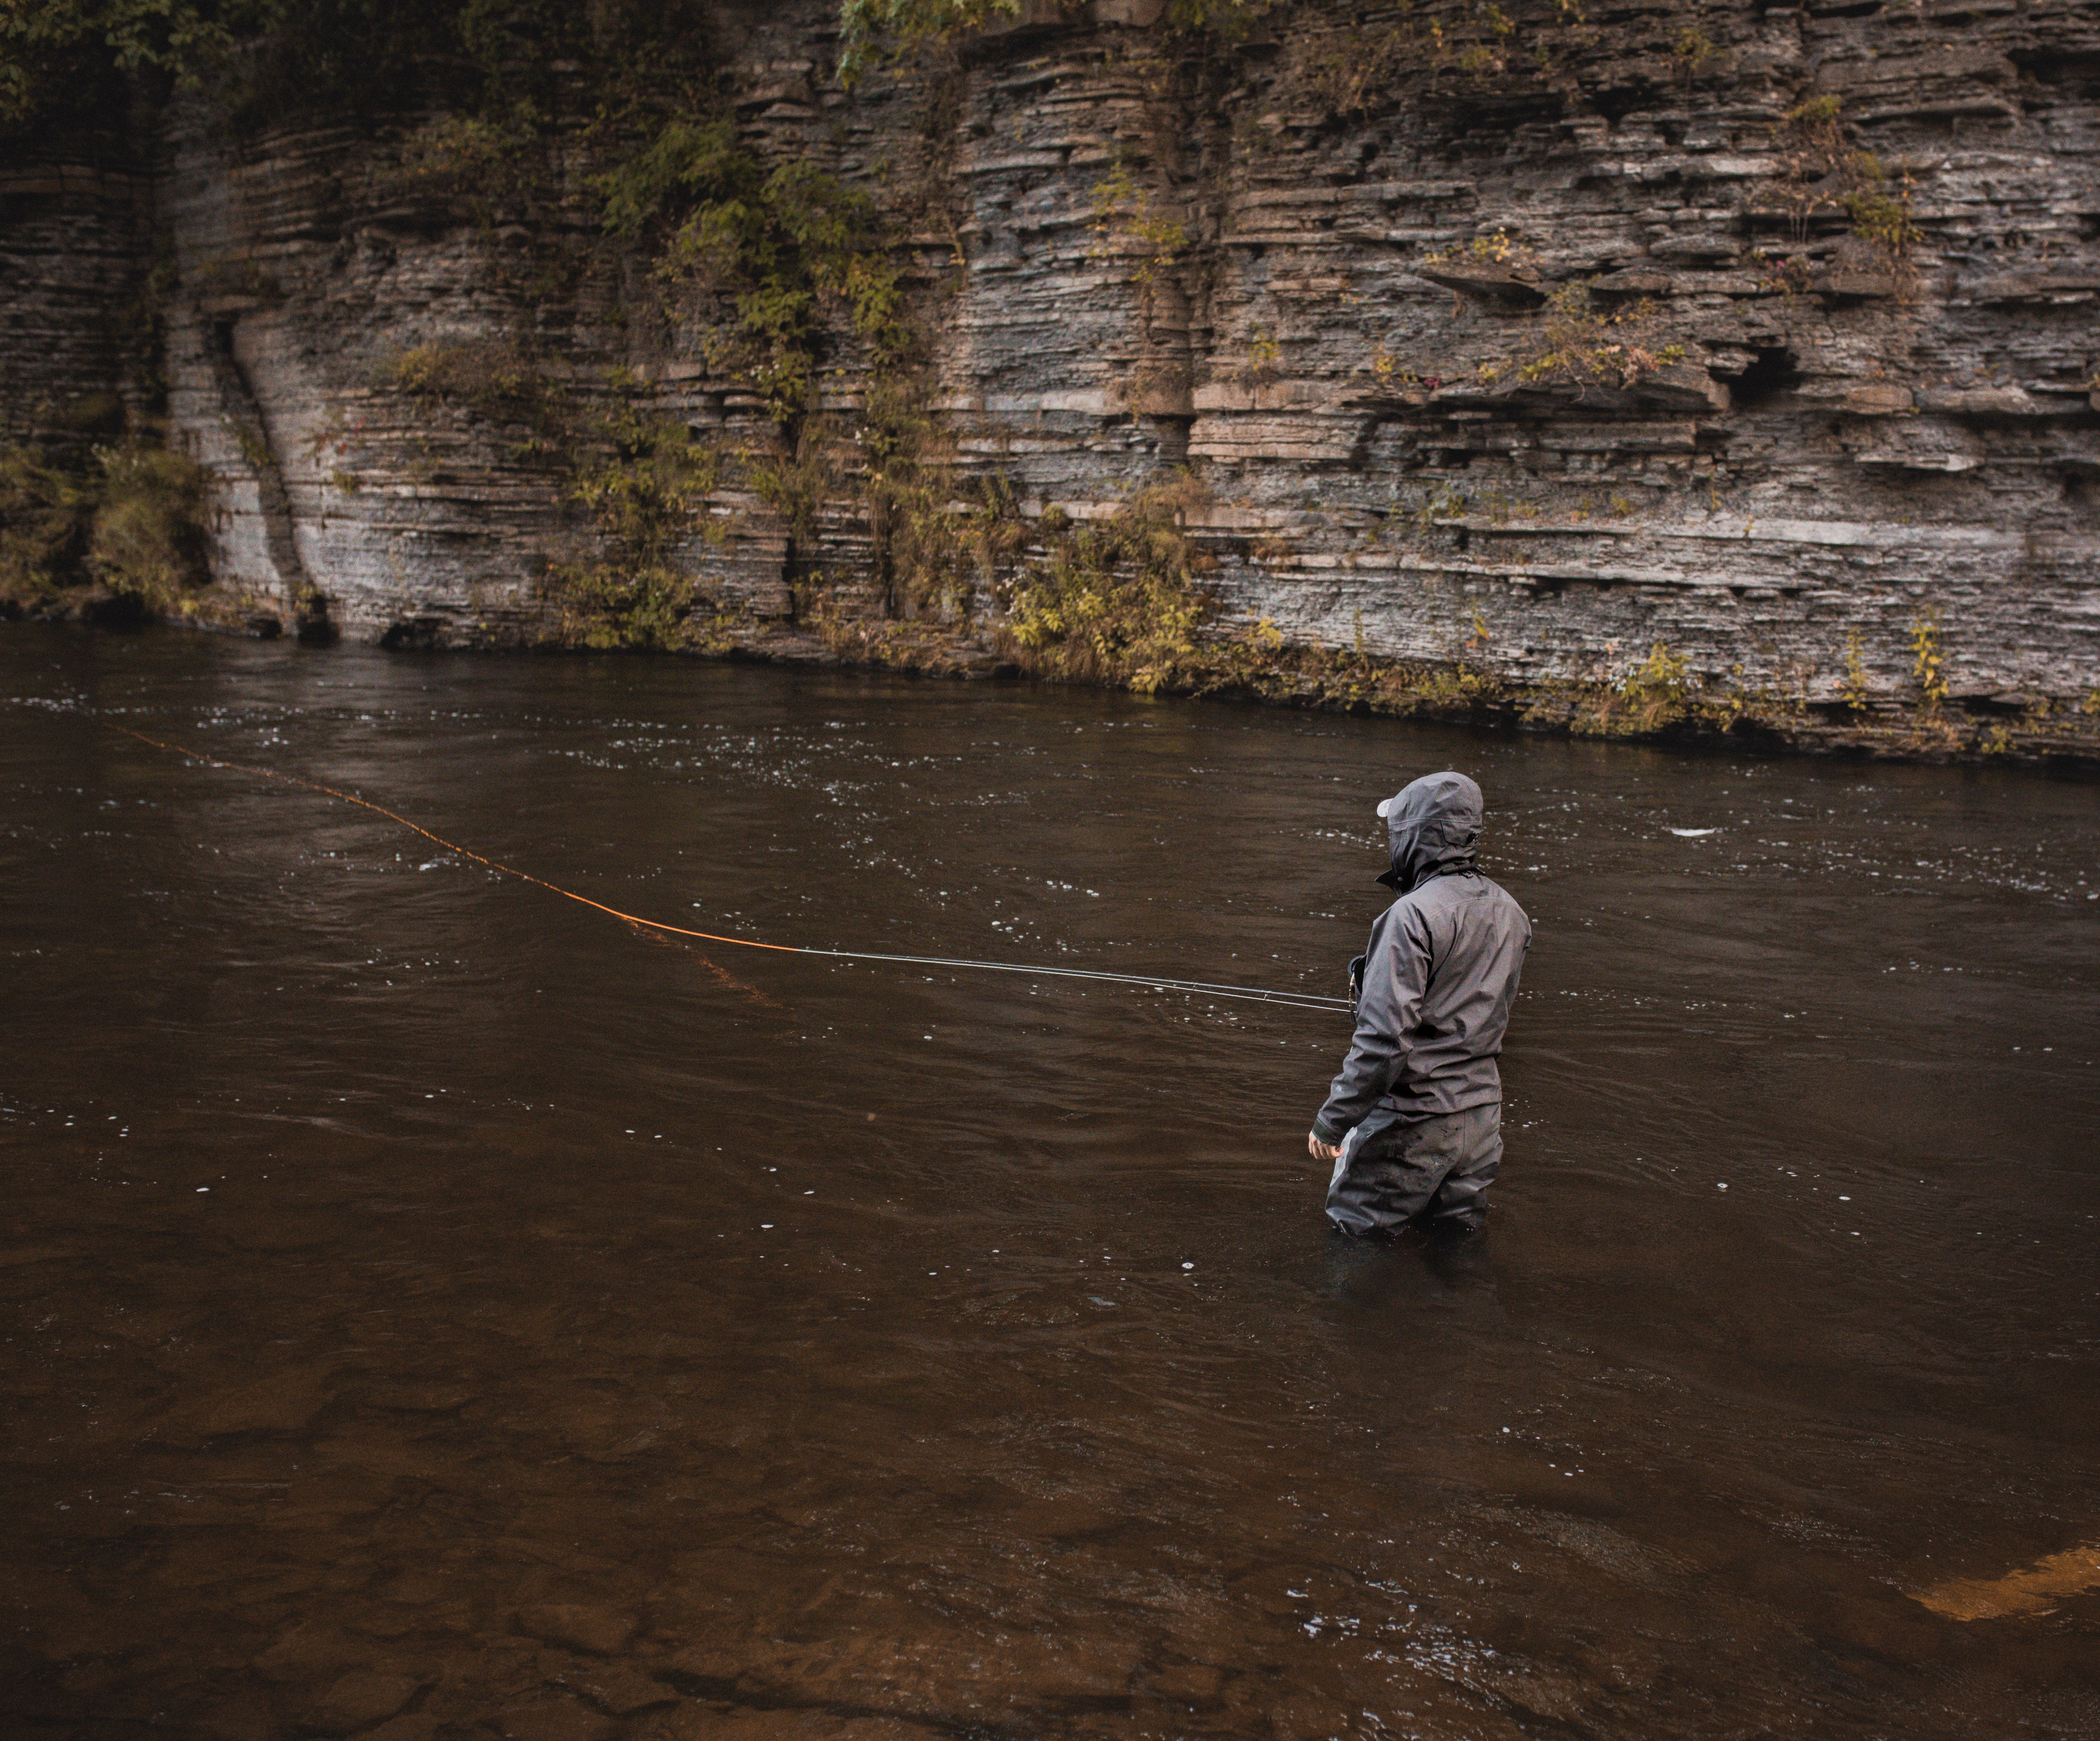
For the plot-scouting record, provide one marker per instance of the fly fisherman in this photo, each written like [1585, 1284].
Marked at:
[1413, 1124]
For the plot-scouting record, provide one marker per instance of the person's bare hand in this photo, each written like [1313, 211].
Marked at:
[1320, 1150]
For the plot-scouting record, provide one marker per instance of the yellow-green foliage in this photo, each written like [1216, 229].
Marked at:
[1928, 659]
[1692, 48]
[1227, 21]
[871, 30]
[1659, 696]
[1364, 67]
[1387, 370]
[44, 514]
[1822, 173]
[796, 259]
[646, 485]
[605, 606]
[1338, 70]
[1852, 691]
[648, 492]
[1657, 691]
[778, 247]
[499, 381]
[936, 542]
[478, 160]
[1880, 212]
[1494, 249]
[133, 519]
[1812, 147]
[1124, 215]
[1352, 71]
[1578, 343]
[149, 537]
[1113, 600]
[643, 482]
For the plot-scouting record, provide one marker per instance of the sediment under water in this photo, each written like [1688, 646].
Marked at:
[431, 1307]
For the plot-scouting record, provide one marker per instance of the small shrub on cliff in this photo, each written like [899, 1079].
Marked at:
[1692, 50]
[605, 606]
[1655, 695]
[871, 30]
[1580, 344]
[1114, 600]
[44, 516]
[476, 160]
[795, 266]
[1658, 691]
[1354, 71]
[1822, 173]
[1852, 689]
[499, 382]
[645, 488]
[648, 492]
[1928, 662]
[150, 534]
[134, 519]
[688, 160]
[935, 541]
[939, 548]
[1495, 249]
[485, 376]
[1881, 211]
[777, 246]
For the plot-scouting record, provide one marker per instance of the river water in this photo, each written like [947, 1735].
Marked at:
[431, 1307]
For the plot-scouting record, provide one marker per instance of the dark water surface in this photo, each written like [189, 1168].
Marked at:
[430, 1304]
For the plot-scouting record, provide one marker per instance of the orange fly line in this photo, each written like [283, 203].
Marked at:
[1296, 1000]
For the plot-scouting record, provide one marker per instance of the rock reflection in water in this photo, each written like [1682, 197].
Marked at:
[432, 1311]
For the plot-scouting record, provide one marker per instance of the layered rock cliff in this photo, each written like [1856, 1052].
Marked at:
[1742, 349]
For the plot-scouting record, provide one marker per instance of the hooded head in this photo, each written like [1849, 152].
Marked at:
[1434, 825]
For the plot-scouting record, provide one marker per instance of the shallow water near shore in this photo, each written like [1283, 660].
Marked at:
[433, 1308]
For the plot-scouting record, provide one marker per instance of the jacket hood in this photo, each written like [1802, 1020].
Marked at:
[1434, 826]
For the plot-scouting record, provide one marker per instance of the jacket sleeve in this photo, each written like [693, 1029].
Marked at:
[1396, 972]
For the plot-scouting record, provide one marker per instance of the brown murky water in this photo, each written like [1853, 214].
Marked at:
[431, 1309]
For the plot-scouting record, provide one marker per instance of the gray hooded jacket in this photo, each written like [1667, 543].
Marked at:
[1439, 973]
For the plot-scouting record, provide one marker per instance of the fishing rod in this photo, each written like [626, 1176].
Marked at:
[1194, 988]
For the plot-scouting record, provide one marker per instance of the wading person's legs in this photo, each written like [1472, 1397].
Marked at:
[1437, 1170]
[1460, 1204]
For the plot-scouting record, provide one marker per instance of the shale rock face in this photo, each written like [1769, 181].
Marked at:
[1530, 338]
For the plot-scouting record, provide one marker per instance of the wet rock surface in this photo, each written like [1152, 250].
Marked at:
[599, 1631]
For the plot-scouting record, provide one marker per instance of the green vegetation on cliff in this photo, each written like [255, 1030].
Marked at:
[127, 517]
[783, 248]
[695, 310]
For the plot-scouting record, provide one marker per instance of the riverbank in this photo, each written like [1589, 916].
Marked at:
[1655, 700]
